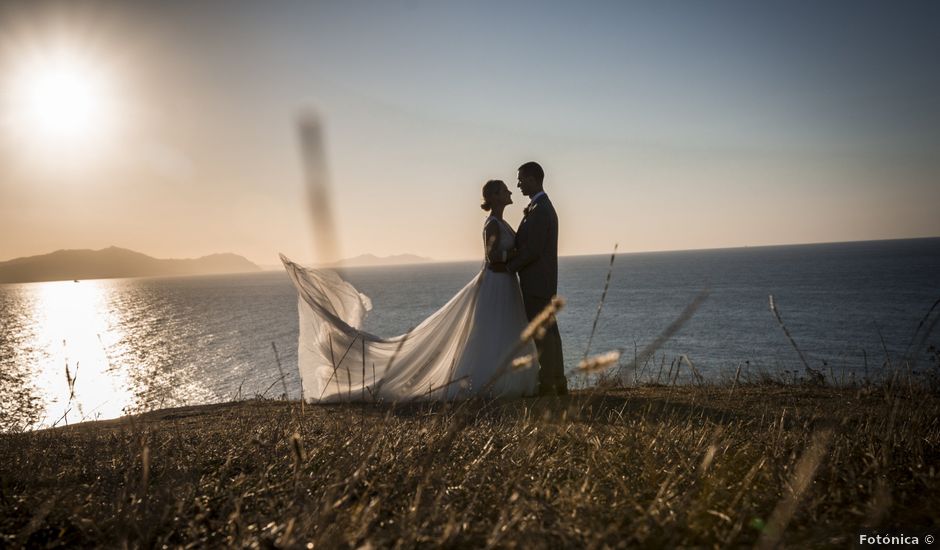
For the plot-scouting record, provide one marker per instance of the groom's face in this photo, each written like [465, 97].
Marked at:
[527, 184]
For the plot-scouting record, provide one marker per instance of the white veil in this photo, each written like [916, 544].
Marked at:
[340, 362]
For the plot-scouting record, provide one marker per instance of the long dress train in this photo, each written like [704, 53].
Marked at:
[463, 349]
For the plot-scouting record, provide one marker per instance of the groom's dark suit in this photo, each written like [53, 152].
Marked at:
[537, 264]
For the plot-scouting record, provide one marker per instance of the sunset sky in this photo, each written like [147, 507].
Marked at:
[170, 127]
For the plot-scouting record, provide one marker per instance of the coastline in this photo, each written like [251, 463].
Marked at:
[649, 465]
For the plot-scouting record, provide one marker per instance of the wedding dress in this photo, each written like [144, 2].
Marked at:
[464, 349]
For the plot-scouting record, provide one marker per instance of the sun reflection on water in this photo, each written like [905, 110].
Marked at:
[73, 321]
[99, 349]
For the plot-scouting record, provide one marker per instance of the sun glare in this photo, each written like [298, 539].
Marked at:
[61, 99]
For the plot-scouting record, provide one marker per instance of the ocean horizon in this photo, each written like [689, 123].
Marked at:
[102, 348]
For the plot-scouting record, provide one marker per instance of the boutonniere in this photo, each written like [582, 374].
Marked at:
[528, 209]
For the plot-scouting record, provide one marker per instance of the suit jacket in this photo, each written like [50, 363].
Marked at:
[537, 248]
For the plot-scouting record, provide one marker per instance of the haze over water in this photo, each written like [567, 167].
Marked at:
[138, 344]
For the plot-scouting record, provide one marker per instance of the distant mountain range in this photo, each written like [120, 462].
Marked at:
[372, 259]
[113, 262]
[364, 260]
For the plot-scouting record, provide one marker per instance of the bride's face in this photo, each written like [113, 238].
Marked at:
[505, 196]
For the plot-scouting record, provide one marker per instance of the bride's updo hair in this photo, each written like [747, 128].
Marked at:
[489, 189]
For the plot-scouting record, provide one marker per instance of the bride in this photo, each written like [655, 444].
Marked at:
[469, 347]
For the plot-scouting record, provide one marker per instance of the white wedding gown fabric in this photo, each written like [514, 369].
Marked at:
[464, 349]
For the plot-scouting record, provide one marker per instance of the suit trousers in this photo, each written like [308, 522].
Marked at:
[551, 360]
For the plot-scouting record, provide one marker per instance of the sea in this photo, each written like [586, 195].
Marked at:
[96, 349]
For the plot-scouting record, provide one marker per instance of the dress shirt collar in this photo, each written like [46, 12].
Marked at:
[536, 197]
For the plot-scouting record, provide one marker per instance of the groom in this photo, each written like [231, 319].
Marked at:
[536, 262]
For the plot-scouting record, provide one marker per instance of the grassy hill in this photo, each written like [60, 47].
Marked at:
[647, 466]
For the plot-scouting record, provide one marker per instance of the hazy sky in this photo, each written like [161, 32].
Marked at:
[661, 125]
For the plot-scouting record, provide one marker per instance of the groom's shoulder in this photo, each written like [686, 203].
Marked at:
[546, 204]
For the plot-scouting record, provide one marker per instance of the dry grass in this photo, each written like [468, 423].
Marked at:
[647, 466]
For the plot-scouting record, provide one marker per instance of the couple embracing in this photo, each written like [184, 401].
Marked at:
[470, 347]
[532, 253]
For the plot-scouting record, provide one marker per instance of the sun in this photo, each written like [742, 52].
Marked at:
[61, 98]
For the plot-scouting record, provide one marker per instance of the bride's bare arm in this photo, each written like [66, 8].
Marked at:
[532, 249]
[494, 257]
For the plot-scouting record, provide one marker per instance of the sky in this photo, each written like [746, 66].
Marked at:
[660, 125]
